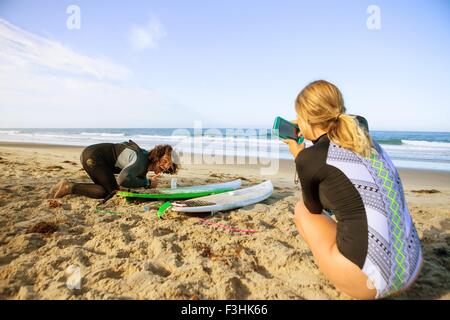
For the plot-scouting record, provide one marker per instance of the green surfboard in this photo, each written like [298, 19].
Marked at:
[183, 192]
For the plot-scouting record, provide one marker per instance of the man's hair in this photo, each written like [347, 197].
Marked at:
[160, 151]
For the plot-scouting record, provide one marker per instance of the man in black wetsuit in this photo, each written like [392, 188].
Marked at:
[101, 161]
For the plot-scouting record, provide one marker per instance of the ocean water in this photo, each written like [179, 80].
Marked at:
[417, 150]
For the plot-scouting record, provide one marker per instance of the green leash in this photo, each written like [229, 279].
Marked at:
[163, 209]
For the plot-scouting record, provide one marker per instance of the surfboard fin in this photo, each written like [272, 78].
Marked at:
[163, 209]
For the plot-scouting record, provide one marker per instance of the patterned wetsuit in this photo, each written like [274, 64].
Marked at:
[374, 227]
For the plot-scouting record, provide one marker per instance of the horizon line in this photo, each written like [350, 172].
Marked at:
[207, 127]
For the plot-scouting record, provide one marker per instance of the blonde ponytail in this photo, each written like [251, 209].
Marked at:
[321, 104]
[346, 132]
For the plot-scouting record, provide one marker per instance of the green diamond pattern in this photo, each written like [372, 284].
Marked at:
[396, 229]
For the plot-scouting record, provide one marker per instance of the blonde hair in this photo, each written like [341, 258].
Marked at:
[321, 104]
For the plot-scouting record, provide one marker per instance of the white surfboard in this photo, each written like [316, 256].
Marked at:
[227, 200]
[231, 185]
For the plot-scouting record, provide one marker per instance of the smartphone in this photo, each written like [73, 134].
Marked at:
[286, 130]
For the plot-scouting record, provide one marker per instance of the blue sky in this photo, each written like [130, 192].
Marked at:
[227, 63]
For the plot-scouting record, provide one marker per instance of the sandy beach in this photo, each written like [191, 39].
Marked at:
[133, 255]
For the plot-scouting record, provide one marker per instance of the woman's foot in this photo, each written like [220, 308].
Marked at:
[63, 188]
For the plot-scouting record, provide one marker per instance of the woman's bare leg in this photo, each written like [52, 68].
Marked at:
[319, 232]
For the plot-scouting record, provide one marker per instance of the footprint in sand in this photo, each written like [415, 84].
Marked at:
[266, 225]
[234, 288]
[25, 243]
[54, 168]
[162, 232]
[106, 273]
[70, 162]
[157, 268]
[78, 240]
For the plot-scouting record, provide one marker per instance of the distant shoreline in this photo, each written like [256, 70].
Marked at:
[410, 176]
[412, 150]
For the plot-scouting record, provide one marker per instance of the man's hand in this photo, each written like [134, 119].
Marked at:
[154, 180]
[294, 147]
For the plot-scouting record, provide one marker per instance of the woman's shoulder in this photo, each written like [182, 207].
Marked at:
[313, 158]
[305, 156]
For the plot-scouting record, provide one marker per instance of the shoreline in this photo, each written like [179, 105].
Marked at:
[409, 176]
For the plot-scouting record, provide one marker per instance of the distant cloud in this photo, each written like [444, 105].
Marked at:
[23, 49]
[148, 36]
[45, 84]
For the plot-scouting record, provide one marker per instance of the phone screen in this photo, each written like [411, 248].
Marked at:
[288, 129]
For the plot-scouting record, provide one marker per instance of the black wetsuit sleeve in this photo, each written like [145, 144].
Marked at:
[307, 170]
[134, 175]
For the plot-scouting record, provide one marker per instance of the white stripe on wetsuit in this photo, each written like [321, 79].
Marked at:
[126, 158]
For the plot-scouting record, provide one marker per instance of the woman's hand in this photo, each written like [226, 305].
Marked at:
[294, 147]
[154, 180]
[297, 132]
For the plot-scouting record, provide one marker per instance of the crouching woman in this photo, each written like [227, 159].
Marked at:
[372, 249]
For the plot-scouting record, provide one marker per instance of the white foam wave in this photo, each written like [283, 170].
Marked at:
[158, 137]
[102, 134]
[112, 134]
[90, 133]
[9, 132]
[426, 144]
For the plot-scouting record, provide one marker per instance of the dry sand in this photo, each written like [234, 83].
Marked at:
[133, 255]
